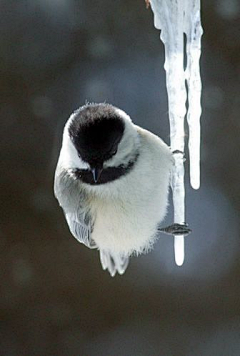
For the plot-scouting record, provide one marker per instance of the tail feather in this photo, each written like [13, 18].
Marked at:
[113, 262]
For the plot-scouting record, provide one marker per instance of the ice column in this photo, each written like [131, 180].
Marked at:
[175, 18]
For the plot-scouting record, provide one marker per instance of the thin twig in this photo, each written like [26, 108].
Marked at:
[147, 3]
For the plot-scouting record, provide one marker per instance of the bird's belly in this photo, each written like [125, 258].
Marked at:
[125, 227]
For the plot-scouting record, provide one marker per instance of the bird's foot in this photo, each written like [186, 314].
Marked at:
[177, 152]
[176, 229]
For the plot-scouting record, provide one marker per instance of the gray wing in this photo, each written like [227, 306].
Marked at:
[72, 199]
[113, 262]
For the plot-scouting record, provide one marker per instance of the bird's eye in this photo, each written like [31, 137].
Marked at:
[114, 152]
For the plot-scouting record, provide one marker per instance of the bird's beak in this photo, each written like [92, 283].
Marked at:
[96, 172]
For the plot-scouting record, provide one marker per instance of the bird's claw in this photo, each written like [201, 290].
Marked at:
[176, 229]
[177, 152]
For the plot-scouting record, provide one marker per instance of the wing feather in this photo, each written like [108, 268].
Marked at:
[72, 199]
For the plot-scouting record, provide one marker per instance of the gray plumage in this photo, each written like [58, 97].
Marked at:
[74, 206]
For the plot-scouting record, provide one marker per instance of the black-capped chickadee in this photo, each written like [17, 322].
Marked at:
[112, 181]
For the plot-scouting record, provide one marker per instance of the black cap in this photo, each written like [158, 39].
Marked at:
[96, 131]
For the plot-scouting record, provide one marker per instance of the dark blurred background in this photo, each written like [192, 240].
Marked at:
[55, 299]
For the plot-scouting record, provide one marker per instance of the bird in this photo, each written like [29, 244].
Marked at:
[112, 182]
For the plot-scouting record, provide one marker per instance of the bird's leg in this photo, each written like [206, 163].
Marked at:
[176, 229]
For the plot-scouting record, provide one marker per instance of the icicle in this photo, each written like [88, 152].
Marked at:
[193, 32]
[174, 18]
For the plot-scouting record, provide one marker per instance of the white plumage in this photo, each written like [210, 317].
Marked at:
[125, 213]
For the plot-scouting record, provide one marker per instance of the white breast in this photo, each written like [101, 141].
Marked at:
[128, 210]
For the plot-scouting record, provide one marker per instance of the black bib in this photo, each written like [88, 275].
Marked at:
[108, 174]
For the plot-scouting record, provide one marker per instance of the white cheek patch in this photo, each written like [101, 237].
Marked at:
[122, 114]
[69, 155]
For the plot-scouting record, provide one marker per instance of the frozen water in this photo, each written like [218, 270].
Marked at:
[175, 18]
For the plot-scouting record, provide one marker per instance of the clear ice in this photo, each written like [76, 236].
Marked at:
[180, 25]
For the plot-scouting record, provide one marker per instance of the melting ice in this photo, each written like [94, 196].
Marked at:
[176, 19]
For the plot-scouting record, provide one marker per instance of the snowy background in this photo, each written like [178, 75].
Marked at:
[54, 297]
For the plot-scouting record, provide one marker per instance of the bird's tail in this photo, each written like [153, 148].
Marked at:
[113, 262]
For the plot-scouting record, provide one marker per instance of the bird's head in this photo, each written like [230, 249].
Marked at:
[102, 136]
